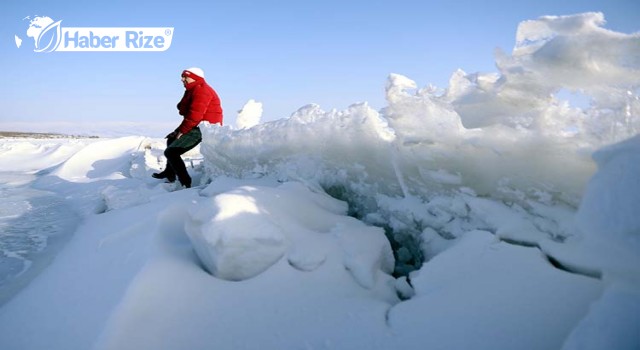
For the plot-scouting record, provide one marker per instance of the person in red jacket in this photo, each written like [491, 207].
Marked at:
[199, 103]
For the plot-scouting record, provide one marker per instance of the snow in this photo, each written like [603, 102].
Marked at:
[608, 204]
[610, 243]
[501, 282]
[241, 233]
[612, 322]
[36, 154]
[83, 166]
[91, 128]
[489, 215]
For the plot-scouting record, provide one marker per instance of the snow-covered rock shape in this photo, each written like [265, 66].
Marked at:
[232, 240]
[242, 232]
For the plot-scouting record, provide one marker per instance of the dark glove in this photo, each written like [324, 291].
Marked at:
[171, 135]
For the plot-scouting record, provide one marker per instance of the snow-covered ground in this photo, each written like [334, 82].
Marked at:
[489, 215]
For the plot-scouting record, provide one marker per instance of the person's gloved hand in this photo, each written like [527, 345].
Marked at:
[171, 135]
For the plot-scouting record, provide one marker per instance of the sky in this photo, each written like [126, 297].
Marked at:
[285, 54]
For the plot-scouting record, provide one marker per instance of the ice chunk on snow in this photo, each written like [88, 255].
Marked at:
[249, 115]
[579, 51]
[366, 252]
[396, 86]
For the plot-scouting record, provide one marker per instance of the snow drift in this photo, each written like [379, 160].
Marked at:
[608, 219]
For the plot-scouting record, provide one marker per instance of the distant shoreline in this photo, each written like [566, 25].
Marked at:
[40, 135]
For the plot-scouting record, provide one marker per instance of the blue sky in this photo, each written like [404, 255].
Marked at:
[285, 54]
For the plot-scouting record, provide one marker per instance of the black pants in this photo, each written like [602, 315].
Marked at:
[176, 148]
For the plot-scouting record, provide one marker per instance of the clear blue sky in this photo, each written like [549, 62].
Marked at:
[283, 53]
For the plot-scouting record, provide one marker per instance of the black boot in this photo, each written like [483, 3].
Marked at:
[185, 179]
[166, 174]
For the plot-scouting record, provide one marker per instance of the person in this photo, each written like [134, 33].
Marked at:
[199, 103]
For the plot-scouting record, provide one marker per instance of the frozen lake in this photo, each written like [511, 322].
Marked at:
[34, 225]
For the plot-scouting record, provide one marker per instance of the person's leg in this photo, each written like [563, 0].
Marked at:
[178, 148]
[176, 164]
[168, 173]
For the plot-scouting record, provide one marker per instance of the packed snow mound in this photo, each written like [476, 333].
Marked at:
[612, 322]
[104, 159]
[36, 154]
[608, 218]
[232, 239]
[473, 278]
[240, 233]
[612, 198]
[607, 237]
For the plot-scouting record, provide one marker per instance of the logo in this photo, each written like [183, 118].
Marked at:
[49, 35]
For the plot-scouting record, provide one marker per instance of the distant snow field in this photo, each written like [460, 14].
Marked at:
[492, 214]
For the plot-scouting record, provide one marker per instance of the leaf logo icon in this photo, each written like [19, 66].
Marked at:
[53, 33]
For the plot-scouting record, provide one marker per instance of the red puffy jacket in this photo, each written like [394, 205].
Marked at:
[200, 102]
